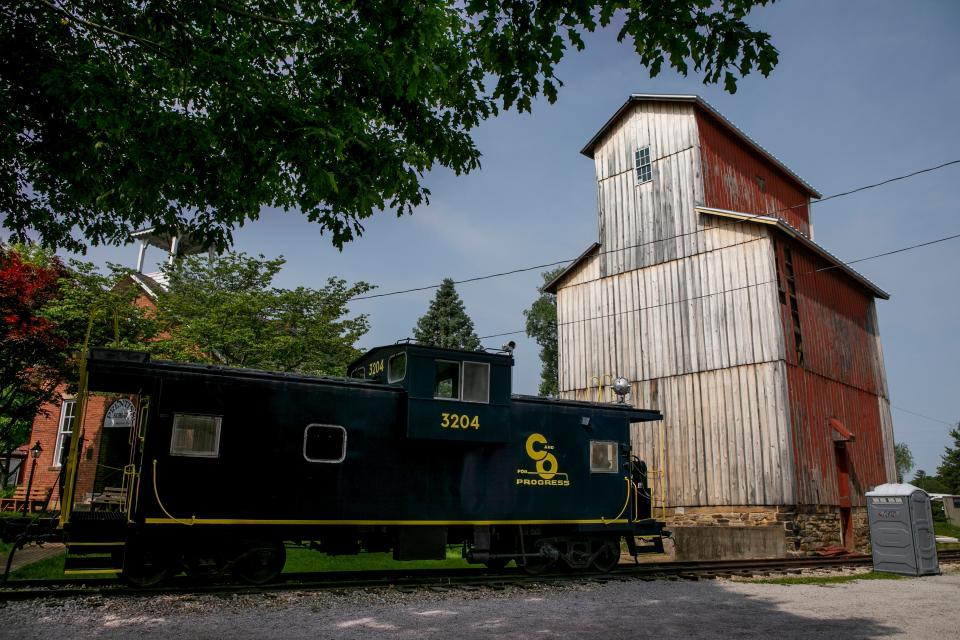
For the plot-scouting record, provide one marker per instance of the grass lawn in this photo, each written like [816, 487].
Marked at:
[944, 528]
[302, 559]
[832, 580]
[298, 560]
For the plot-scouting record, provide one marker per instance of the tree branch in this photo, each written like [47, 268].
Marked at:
[258, 16]
[100, 27]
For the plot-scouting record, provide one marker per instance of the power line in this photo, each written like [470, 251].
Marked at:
[920, 415]
[735, 289]
[747, 218]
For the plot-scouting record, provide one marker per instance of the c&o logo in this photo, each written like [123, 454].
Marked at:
[546, 468]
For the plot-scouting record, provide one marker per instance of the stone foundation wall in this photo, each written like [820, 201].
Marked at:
[806, 529]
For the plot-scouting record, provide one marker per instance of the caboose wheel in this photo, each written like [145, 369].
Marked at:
[146, 567]
[497, 564]
[536, 566]
[261, 562]
[607, 557]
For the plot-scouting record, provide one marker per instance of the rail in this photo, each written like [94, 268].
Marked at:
[464, 579]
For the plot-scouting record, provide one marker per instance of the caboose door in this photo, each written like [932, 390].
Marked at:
[133, 471]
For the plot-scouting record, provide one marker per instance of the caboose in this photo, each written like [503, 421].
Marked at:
[420, 448]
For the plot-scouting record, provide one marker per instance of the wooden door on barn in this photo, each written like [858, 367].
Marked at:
[843, 495]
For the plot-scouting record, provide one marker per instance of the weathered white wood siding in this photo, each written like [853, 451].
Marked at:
[726, 435]
[886, 426]
[883, 398]
[693, 321]
[708, 311]
[634, 219]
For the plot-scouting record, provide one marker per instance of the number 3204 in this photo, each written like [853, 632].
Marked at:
[459, 421]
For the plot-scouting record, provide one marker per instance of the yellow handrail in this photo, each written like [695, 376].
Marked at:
[601, 381]
[80, 412]
[156, 495]
[625, 504]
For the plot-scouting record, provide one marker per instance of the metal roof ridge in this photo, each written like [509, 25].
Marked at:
[792, 231]
[550, 287]
[587, 149]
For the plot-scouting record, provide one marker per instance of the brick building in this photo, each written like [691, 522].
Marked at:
[107, 423]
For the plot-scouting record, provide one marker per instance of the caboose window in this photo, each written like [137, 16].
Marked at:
[397, 367]
[359, 372]
[476, 382]
[446, 380]
[324, 443]
[603, 456]
[195, 436]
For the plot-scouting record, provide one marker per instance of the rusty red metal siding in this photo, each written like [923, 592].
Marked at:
[814, 400]
[838, 375]
[733, 174]
[839, 337]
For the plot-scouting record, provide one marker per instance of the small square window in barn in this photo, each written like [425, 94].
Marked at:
[446, 380]
[643, 165]
[476, 382]
[603, 456]
[325, 443]
[397, 367]
[195, 436]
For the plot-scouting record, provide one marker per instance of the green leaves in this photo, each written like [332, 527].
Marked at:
[542, 327]
[227, 311]
[190, 117]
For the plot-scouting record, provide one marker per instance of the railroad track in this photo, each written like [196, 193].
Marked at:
[438, 580]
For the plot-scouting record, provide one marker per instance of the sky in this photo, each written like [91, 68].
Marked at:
[864, 91]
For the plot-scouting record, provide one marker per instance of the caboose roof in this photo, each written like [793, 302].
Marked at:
[433, 352]
[704, 106]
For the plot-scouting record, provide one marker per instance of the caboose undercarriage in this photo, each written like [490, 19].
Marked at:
[147, 556]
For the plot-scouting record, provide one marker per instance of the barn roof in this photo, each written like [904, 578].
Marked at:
[783, 227]
[778, 223]
[696, 100]
[551, 287]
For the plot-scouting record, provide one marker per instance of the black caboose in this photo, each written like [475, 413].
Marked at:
[419, 449]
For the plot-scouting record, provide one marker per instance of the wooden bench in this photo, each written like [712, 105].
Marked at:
[38, 498]
[110, 499]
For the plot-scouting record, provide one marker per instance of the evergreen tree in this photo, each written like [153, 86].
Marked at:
[446, 323]
[930, 484]
[542, 327]
[949, 470]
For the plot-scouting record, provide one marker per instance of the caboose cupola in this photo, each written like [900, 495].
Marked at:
[451, 394]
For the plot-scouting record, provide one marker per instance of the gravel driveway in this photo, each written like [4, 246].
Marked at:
[916, 608]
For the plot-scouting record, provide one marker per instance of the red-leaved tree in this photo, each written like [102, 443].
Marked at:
[31, 350]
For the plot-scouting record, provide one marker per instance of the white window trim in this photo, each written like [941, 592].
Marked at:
[616, 456]
[57, 453]
[196, 454]
[463, 371]
[637, 166]
[343, 453]
[459, 380]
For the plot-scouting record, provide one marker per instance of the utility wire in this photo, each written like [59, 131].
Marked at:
[920, 415]
[747, 286]
[747, 218]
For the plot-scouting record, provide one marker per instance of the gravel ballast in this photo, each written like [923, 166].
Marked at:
[912, 608]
